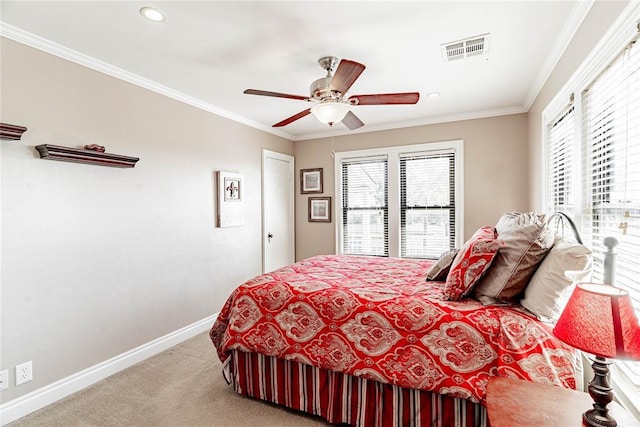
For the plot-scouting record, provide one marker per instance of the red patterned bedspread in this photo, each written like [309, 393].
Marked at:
[377, 318]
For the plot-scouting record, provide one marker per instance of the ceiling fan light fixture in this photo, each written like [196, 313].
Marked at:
[330, 112]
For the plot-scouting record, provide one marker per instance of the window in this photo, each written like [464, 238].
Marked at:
[593, 174]
[611, 167]
[611, 146]
[400, 201]
[365, 212]
[427, 204]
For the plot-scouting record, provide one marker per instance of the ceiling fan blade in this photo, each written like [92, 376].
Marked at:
[352, 121]
[293, 118]
[275, 94]
[386, 98]
[347, 73]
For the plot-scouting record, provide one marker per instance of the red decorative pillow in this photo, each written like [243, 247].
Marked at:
[471, 262]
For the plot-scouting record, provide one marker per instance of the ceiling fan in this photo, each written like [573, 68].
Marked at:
[329, 95]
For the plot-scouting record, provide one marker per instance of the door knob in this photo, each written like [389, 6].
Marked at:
[269, 236]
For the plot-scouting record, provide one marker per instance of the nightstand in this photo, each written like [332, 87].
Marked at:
[512, 402]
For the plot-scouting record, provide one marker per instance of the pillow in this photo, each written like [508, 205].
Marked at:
[439, 271]
[552, 283]
[471, 262]
[527, 240]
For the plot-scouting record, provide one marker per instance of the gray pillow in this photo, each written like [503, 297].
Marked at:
[527, 240]
[440, 270]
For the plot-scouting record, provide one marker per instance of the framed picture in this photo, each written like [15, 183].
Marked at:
[311, 181]
[230, 199]
[232, 189]
[319, 209]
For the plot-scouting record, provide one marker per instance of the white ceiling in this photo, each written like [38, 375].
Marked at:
[208, 52]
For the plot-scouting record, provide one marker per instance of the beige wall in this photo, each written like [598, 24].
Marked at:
[495, 171]
[594, 26]
[97, 261]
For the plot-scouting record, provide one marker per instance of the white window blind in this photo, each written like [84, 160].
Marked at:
[561, 162]
[611, 163]
[365, 212]
[611, 149]
[427, 204]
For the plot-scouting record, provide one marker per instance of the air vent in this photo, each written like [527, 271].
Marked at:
[474, 46]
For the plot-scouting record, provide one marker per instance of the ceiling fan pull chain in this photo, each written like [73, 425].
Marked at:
[333, 152]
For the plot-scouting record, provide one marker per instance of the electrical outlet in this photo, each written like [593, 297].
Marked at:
[24, 372]
[4, 379]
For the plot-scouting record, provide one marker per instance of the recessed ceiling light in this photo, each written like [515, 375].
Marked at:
[433, 95]
[153, 14]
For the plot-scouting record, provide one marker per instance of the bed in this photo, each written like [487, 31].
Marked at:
[367, 341]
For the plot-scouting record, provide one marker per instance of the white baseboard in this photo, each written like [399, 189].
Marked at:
[24, 405]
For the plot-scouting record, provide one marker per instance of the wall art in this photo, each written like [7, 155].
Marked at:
[230, 199]
[319, 209]
[311, 181]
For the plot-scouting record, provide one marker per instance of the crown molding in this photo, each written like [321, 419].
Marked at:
[415, 123]
[622, 31]
[579, 13]
[45, 45]
[40, 43]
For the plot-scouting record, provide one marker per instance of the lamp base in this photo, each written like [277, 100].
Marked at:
[594, 418]
[602, 395]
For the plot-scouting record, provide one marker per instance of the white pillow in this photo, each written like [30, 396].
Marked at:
[550, 287]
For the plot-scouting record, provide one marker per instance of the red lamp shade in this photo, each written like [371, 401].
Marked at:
[599, 319]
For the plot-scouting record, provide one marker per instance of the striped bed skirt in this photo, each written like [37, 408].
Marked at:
[345, 399]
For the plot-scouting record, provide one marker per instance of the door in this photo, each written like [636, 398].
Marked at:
[278, 221]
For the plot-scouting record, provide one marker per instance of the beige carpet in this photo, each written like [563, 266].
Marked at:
[182, 386]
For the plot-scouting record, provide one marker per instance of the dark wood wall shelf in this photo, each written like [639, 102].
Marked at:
[79, 155]
[11, 132]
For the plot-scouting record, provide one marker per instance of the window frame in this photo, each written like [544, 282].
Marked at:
[393, 155]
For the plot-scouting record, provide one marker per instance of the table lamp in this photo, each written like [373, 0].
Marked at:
[599, 319]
